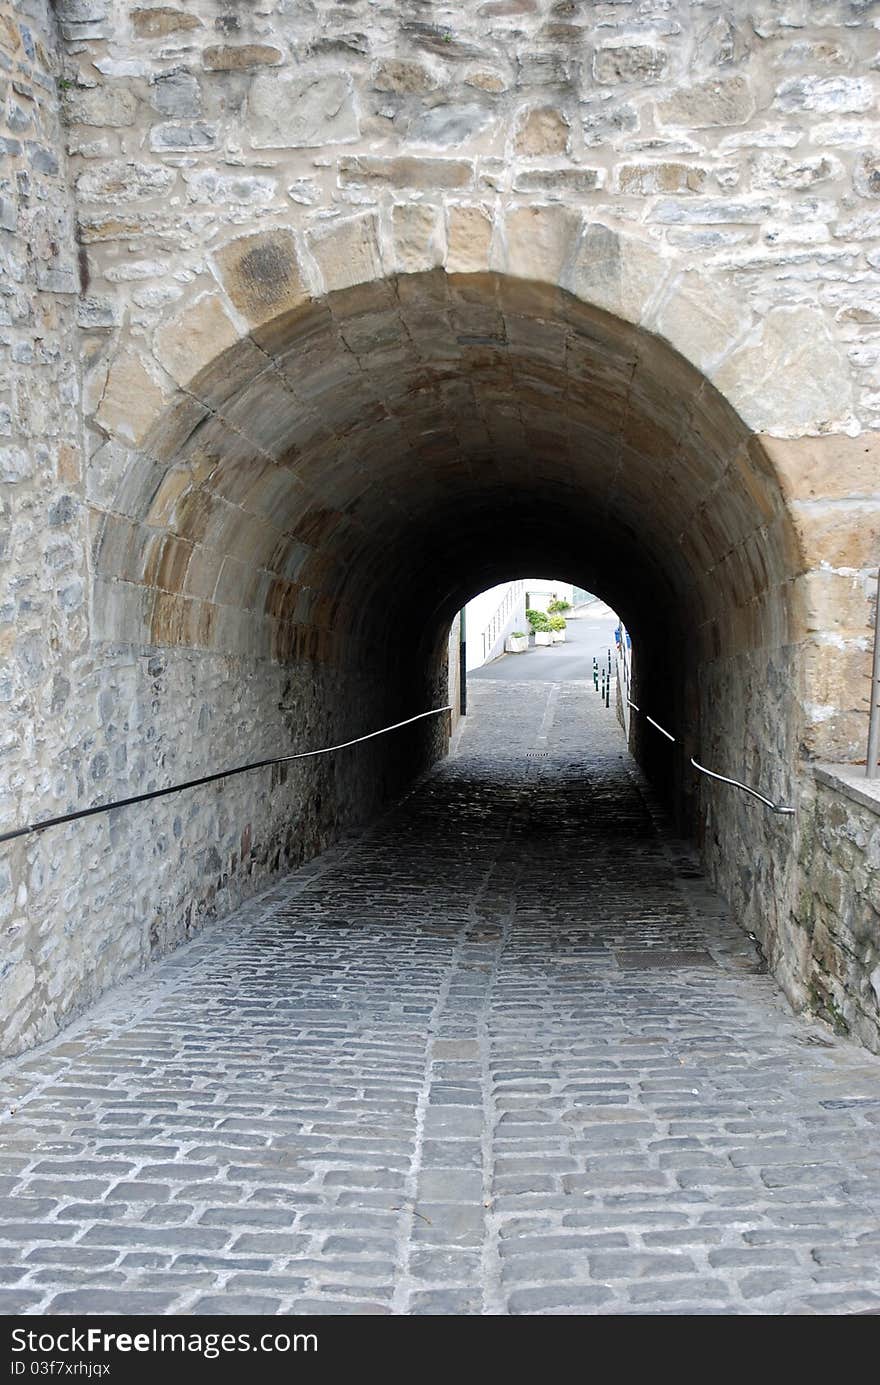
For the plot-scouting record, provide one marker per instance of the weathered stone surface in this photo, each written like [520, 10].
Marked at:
[867, 175]
[704, 331]
[347, 252]
[825, 94]
[113, 106]
[120, 181]
[540, 241]
[541, 131]
[647, 179]
[159, 20]
[615, 272]
[187, 343]
[406, 172]
[225, 189]
[261, 274]
[289, 112]
[468, 238]
[418, 240]
[133, 397]
[632, 62]
[241, 57]
[449, 125]
[724, 101]
[486, 81]
[559, 182]
[793, 370]
[835, 468]
[839, 906]
[173, 137]
[176, 94]
[403, 77]
[778, 171]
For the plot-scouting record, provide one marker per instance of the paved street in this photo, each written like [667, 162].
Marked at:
[590, 631]
[502, 1054]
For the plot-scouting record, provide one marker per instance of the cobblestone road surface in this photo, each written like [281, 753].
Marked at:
[455, 1068]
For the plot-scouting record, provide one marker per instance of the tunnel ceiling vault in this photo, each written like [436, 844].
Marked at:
[383, 453]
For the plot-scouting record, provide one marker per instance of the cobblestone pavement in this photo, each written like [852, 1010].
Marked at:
[453, 1067]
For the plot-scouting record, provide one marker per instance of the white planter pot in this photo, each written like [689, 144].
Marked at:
[543, 637]
[557, 636]
[517, 644]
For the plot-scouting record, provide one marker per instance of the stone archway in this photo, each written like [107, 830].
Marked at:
[634, 261]
[325, 489]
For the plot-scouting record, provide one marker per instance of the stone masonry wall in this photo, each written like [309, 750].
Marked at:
[705, 171]
[838, 907]
[44, 582]
[737, 142]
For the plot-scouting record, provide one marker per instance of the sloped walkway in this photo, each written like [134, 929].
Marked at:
[502, 1054]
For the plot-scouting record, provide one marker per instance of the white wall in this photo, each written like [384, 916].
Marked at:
[505, 605]
[542, 590]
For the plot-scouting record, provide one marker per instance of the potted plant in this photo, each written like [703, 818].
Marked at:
[517, 642]
[540, 624]
[557, 606]
[556, 625]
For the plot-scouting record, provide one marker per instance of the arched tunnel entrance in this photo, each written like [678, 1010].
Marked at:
[328, 492]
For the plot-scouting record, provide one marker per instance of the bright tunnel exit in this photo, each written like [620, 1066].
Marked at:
[545, 629]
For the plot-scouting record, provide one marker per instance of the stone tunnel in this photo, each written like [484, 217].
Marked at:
[321, 320]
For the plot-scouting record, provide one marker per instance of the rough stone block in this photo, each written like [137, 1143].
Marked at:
[700, 323]
[867, 175]
[540, 241]
[133, 396]
[242, 57]
[347, 252]
[559, 182]
[404, 77]
[648, 179]
[176, 94]
[825, 94]
[615, 272]
[790, 377]
[831, 468]
[287, 111]
[113, 106]
[631, 62]
[721, 101]
[262, 274]
[417, 231]
[406, 172]
[450, 124]
[841, 534]
[194, 338]
[777, 171]
[124, 181]
[175, 138]
[159, 20]
[468, 238]
[542, 130]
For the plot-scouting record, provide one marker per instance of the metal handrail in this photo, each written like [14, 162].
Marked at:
[724, 779]
[209, 779]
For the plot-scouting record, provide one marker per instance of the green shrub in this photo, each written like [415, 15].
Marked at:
[556, 623]
[559, 605]
[538, 620]
[517, 634]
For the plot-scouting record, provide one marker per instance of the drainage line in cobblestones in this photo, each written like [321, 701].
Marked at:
[209, 779]
[723, 778]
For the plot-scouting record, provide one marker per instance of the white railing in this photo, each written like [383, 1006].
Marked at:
[497, 626]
